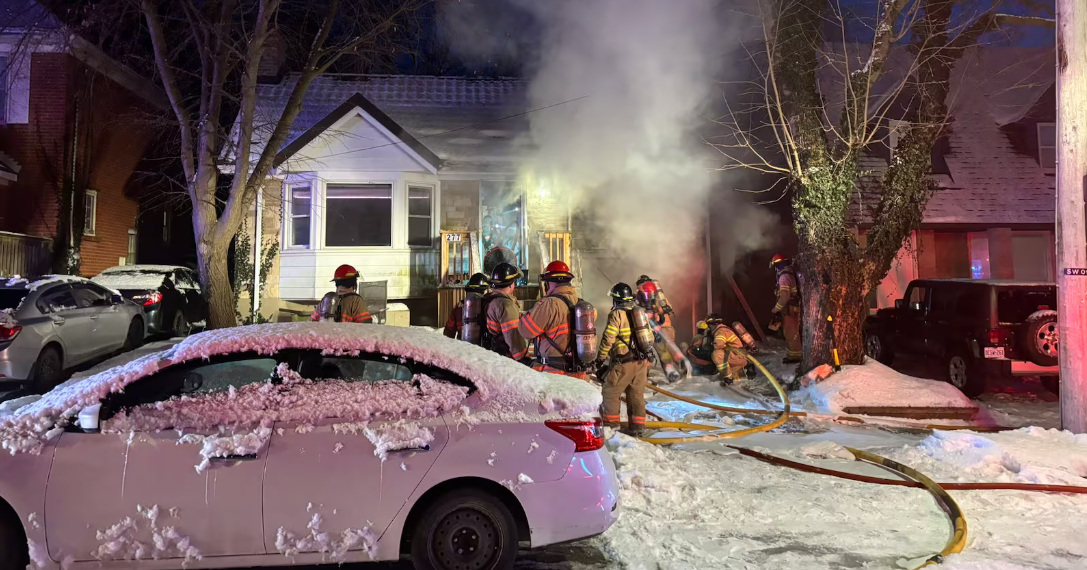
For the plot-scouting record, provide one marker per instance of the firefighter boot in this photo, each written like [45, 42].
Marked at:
[724, 378]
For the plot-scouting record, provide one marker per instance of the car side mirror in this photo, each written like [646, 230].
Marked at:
[88, 419]
[900, 303]
[192, 382]
[118, 300]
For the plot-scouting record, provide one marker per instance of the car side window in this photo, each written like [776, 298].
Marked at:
[917, 298]
[88, 296]
[368, 368]
[57, 300]
[184, 280]
[941, 301]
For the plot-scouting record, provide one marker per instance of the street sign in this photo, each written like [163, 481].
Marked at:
[1077, 271]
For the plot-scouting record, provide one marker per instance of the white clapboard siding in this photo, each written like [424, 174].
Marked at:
[356, 142]
[306, 275]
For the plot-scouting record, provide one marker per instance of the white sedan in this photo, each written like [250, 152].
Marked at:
[303, 443]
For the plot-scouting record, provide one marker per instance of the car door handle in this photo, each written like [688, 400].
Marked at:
[57, 320]
[410, 449]
[246, 457]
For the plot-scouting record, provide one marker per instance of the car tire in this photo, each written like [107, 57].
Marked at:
[1052, 383]
[134, 336]
[465, 519]
[1040, 339]
[963, 373]
[877, 348]
[48, 370]
[14, 553]
[179, 327]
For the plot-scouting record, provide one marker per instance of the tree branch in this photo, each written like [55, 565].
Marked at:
[169, 83]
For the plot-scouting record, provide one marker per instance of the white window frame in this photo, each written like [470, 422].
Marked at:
[288, 228]
[394, 186]
[1038, 134]
[90, 225]
[433, 212]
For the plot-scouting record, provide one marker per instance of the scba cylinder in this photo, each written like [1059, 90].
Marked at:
[471, 329]
[585, 341]
[745, 337]
[643, 332]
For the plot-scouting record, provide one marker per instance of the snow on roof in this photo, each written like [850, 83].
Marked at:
[500, 381]
[145, 281]
[425, 107]
[143, 269]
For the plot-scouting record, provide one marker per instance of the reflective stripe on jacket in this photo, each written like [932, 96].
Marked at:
[502, 317]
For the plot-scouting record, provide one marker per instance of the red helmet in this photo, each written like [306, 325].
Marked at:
[557, 271]
[345, 272]
[776, 260]
[649, 287]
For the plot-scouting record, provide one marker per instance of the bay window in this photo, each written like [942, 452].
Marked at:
[358, 215]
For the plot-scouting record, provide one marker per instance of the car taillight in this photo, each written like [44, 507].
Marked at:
[149, 299]
[9, 333]
[998, 337]
[587, 436]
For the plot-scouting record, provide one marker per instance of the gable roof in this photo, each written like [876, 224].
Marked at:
[470, 125]
[357, 101]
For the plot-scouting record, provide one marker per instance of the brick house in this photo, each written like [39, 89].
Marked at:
[993, 213]
[70, 124]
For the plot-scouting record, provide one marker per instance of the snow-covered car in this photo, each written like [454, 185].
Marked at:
[170, 295]
[319, 442]
[53, 323]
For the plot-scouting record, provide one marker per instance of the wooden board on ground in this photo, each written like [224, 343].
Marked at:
[914, 413]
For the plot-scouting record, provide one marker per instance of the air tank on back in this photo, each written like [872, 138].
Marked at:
[745, 337]
[472, 319]
[641, 329]
[585, 341]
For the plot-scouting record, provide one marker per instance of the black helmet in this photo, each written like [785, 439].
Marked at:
[622, 293]
[504, 274]
[477, 284]
[643, 280]
[714, 319]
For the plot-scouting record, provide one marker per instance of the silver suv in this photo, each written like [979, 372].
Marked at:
[56, 322]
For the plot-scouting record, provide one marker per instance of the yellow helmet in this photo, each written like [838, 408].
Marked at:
[702, 326]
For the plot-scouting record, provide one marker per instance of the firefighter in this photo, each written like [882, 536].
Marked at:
[547, 325]
[502, 312]
[649, 297]
[346, 306]
[786, 311]
[700, 351]
[477, 286]
[727, 356]
[627, 364]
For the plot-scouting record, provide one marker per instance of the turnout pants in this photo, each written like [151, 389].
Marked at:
[733, 360]
[627, 378]
[791, 323]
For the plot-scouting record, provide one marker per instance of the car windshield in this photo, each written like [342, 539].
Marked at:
[1014, 305]
[10, 298]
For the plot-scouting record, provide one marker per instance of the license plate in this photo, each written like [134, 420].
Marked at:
[994, 352]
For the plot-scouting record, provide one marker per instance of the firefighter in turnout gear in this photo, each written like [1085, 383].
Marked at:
[501, 311]
[345, 305]
[477, 286]
[786, 311]
[727, 356]
[700, 351]
[651, 298]
[547, 325]
[627, 364]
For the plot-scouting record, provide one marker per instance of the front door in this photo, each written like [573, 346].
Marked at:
[356, 476]
[144, 489]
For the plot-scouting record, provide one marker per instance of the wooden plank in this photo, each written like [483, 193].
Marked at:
[914, 413]
[747, 308]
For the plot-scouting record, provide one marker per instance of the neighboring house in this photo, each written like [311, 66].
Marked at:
[66, 108]
[993, 213]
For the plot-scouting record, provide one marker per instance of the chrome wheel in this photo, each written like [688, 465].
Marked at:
[873, 347]
[1048, 339]
[956, 371]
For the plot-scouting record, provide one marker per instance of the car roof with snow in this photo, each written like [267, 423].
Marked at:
[144, 269]
[32, 283]
[498, 379]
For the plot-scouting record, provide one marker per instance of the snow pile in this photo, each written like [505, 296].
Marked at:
[332, 547]
[141, 538]
[7, 320]
[10, 407]
[875, 385]
[212, 446]
[131, 280]
[15, 281]
[398, 436]
[501, 383]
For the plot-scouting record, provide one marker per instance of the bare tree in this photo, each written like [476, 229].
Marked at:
[809, 137]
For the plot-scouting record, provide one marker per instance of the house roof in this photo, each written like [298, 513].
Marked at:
[989, 182]
[470, 125]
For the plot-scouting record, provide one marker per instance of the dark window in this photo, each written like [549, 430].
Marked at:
[300, 216]
[1014, 305]
[87, 295]
[1047, 146]
[916, 300]
[942, 301]
[358, 215]
[10, 298]
[353, 369]
[973, 304]
[420, 209]
[57, 300]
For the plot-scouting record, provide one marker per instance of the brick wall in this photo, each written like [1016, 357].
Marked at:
[30, 205]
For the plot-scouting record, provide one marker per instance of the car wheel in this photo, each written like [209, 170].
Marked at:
[134, 337]
[1041, 339]
[179, 327]
[14, 554]
[1052, 383]
[878, 349]
[47, 371]
[964, 375]
[465, 530]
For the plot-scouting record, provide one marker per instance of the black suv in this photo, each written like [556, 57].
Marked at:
[975, 329]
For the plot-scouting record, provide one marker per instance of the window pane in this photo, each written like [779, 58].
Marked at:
[917, 297]
[57, 301]
[418, 201]
[1047, 157]
[300, 231]
[87, 296]
[318, 367]
[300, 200]
[1047, 135]
[88, 213]
[359, 215]
[419, 232]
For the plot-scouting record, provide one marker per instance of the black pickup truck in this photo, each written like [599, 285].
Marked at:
[975, 329]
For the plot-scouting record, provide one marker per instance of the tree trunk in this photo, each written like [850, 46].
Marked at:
[214, 271]
[832, 285]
